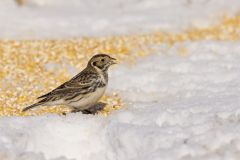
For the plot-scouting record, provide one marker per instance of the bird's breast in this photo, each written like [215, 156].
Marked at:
[89, 99]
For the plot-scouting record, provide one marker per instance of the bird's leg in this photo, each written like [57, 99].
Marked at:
[75, 110]
[86, 111]
[91, 110]
[95, 108]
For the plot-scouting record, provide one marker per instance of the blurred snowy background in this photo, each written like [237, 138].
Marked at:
[36, 19]
[176, 107]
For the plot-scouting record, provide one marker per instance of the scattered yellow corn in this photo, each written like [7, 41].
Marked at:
[24, 74]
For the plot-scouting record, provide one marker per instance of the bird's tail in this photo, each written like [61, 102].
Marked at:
[31, 106]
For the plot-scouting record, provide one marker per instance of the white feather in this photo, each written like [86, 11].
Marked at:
[88, 100]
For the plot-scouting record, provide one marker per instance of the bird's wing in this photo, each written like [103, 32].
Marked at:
[82, 83]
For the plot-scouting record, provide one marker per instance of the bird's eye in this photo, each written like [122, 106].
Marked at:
[94, 63]
[102, 60]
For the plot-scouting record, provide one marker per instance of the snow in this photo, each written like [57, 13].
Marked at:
[176, 107]
[75, 18]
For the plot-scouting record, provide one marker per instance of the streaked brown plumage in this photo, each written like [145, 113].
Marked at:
[84, 89]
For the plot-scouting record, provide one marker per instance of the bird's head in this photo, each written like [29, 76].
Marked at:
[102, 61]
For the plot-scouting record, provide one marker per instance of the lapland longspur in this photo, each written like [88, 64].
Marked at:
[82, 91]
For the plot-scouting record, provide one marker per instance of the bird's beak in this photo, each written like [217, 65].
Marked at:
[113, 61]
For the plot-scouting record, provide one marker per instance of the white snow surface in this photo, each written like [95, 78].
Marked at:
[75, 18]
[176, 107]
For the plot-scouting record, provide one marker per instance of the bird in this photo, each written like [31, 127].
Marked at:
[82, 91]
